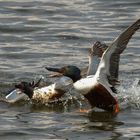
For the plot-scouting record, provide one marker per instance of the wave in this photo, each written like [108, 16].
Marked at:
[129, 95]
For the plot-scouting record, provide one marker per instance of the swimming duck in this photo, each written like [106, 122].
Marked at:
[26, 90]
[70, 74]
[98, 89]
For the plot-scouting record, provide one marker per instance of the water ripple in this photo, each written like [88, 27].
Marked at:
[36, 33]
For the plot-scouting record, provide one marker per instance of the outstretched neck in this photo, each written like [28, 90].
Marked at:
[93, 64]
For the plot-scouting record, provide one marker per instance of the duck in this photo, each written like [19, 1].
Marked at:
[32, 91]
[99, 87]
[49, 93]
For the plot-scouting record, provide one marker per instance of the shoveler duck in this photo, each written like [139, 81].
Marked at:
[70, 74]
[27, 90]
[98, 89]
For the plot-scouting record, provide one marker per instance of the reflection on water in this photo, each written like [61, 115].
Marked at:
[34, 34]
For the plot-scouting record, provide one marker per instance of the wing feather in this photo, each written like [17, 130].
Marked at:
[109, 64]
[95, 54]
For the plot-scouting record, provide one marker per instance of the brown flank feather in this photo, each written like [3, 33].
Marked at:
[99, 97]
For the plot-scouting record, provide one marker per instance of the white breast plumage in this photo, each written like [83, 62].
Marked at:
[85, 84]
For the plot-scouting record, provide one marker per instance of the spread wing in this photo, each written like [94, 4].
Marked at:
[95, 54]
[109, 65]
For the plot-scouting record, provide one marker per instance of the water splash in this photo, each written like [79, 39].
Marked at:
[70, 100]
[129, 96]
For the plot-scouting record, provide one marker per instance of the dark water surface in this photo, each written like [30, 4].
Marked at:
[37, 33]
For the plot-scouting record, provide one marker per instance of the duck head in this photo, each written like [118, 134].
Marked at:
[22, 89]
[26, 88]
[70, 71]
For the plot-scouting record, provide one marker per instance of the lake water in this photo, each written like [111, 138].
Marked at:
[39, 33]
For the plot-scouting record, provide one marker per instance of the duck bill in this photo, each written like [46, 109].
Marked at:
[58, 71]
[53, 69]
[15, 96]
